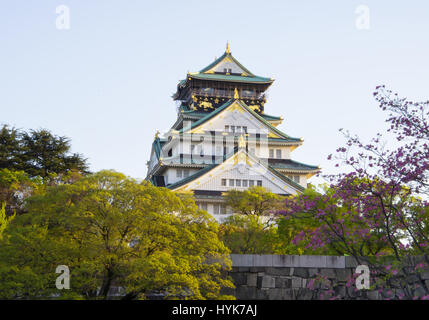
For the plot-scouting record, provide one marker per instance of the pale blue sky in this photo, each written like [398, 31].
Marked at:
[107, 82]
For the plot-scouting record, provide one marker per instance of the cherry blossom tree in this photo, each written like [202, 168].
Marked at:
[378, 211]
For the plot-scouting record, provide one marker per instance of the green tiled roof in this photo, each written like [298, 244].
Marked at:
[269, 117]
[290, 164]
[286, 179]
[218, 60]
[196, 113]
[212, 166]
[157, 146]
[226, 105]
[232, 78]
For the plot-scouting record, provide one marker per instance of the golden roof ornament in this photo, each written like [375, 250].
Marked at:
[227, 48]
[242, 142]
[156, 135]
[236, 95]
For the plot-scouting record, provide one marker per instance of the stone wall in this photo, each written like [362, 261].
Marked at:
[280, 277]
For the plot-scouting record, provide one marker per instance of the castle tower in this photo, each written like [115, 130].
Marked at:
[223, 139]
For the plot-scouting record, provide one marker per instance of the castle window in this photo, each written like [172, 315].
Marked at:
[223, 182]
[245, 129]
[178, 173]
[185, 173]
[296, 179]
[271, 153]
[226, 128]
[222, 209]
[244, 183]
[231, 182]
[251, 183]
[204, 206]
[279, 153]
[216, 208]
[238, 182]
[260, 183]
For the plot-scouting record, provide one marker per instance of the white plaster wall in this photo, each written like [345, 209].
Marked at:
[256, 172]
[228, 65]
[170, 175]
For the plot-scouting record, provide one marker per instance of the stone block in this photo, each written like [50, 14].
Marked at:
[243, 269]
[336, 262]
[262, 294]
[419, 292]
[252, 279]
[259, 282]
[289, 294]
[425, 275]
[296, 282]
[256, 269]
[350, 262]
[340, 291]
[246, 293]
[330, 273]
[268, 282]
[239, 279]
[300, 272]
[373, 295]
[312, 262]
[304, 294]
[312, 272]
[242, 260]
[276, 294]
[262, 260]
[412, 279]
[286, 261]
[352, 292]
[279, 271]
[342, 275]
[283, 283]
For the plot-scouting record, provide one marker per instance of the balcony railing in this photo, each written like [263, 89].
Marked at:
[229, 94]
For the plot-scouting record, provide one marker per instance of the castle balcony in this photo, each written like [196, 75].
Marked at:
[226, 93]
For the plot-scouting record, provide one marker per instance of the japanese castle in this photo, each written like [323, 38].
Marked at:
[223, 139]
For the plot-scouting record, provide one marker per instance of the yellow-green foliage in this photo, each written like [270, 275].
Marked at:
[111, 230]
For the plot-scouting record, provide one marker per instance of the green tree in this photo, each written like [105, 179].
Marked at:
[15, 187]
[113, 232]
[10, 148]
[252, 229]
[38, 153]
[249, 234]
[253, 201]
[4, 220]
[45, 154]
